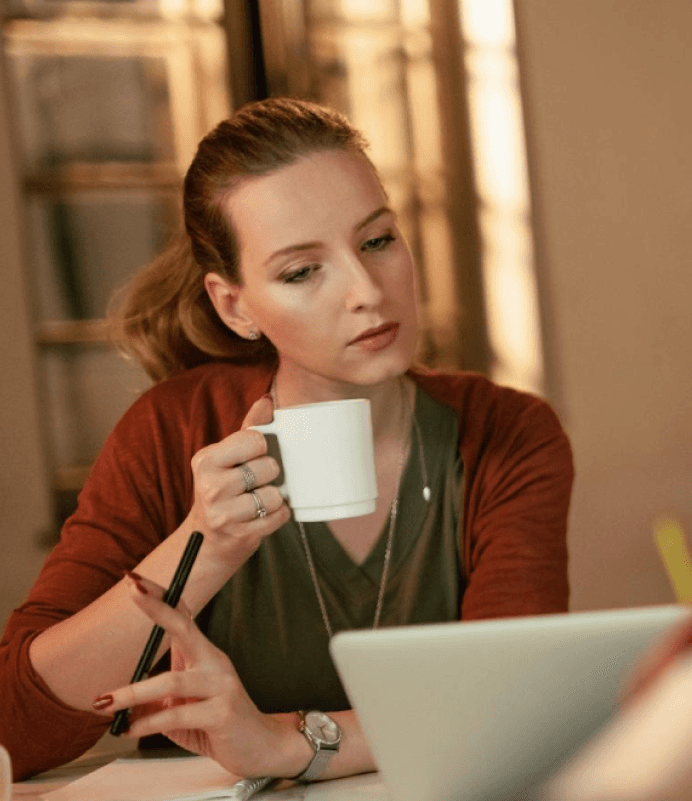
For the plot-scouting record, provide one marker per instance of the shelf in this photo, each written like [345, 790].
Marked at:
[71, 332]
[46, 11]
[119, 176]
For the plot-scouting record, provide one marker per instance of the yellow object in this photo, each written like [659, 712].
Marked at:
[670, 540]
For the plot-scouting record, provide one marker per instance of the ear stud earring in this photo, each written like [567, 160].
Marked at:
[254, 334]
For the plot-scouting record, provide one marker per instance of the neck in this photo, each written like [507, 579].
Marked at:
[389, 400]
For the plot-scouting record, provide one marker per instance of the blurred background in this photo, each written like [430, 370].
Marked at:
[538, 153]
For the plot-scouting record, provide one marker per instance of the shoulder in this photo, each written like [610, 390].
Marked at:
[217, 383]
[496, 421]
[518, 475]
[211, 399]
[477, 400]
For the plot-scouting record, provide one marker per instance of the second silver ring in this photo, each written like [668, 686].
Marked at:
[260, 511]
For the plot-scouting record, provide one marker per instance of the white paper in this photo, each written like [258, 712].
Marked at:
[169, 779]
[201, 779]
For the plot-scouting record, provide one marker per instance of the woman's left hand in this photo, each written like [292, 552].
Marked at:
[201, 704]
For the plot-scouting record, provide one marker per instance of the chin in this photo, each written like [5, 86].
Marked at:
[382, 369]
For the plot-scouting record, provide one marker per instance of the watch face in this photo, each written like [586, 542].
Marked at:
[322, 727]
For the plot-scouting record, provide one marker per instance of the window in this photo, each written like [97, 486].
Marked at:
[110, 100]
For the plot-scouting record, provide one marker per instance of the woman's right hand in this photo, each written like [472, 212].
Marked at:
[223, 512]
[222, 509]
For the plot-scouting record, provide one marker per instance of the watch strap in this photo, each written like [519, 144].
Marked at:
[323, 752]
[318, 763]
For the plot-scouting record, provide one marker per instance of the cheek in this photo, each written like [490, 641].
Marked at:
[290, 328]
[402, 283]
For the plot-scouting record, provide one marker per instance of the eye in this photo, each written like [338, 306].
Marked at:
[379, 243]
[300, 275]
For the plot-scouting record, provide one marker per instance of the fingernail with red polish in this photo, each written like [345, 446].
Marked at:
[268, 396]
[102, 702]
[138, 581]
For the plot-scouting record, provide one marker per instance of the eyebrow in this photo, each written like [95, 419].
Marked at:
[310, 245]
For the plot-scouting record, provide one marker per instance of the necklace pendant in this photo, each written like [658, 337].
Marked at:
[426, 494]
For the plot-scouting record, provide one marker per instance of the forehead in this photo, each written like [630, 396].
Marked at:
[317, 196]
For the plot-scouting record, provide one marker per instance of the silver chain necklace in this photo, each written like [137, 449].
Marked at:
[392, 519]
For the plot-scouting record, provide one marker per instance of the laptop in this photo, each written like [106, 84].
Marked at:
[487, 710]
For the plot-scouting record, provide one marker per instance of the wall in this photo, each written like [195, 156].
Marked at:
[608, 107]
[24, 505]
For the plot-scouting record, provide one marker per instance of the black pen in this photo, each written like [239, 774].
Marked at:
[171, 597]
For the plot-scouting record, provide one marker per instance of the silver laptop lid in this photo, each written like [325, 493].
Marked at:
[483, 710]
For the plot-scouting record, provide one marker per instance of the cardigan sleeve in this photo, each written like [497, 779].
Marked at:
[122, 514]
[519, 475]
[140, 490]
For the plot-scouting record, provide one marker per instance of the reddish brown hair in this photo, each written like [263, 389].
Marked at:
[164, 317]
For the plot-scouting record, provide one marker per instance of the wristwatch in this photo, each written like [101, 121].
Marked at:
[324, 736]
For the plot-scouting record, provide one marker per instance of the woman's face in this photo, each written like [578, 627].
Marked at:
[327, 275]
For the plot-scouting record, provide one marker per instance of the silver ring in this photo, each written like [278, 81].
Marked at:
[249, 478]
[259, 506]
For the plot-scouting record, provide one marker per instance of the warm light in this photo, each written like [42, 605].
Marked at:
[511, 302]
[366, 9]
[199, 9]
[414, 12]
[497, 136]
[487, 22]
[172, 9]
[498, 140]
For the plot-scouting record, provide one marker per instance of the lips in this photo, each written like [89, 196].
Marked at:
[373, 333]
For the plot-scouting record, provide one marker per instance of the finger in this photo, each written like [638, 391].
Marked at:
[215, 485]
[270, 500]
[167, 688]
[177, 623]
[242, 509]
[261, 412]
[264, 469]
[148, 587]
[144, 585]
[253, 531]
[204, 715]
[240, 446]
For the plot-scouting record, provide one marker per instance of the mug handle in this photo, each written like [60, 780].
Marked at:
[271, 428]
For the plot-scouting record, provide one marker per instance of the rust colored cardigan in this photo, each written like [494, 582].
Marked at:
[518, 478]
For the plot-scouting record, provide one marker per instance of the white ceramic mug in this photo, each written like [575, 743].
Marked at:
[327, 457]
[5, 775]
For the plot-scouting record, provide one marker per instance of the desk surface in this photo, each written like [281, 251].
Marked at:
[367, 787]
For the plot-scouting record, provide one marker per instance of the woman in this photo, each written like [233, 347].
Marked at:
[292, 284]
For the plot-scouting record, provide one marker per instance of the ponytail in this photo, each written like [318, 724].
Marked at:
[164, 319]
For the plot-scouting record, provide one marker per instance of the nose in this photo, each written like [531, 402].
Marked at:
[363, 290]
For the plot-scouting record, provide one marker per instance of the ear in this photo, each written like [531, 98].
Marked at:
[227, 299]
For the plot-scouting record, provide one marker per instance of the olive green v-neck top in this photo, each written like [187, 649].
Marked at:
[267, 617]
